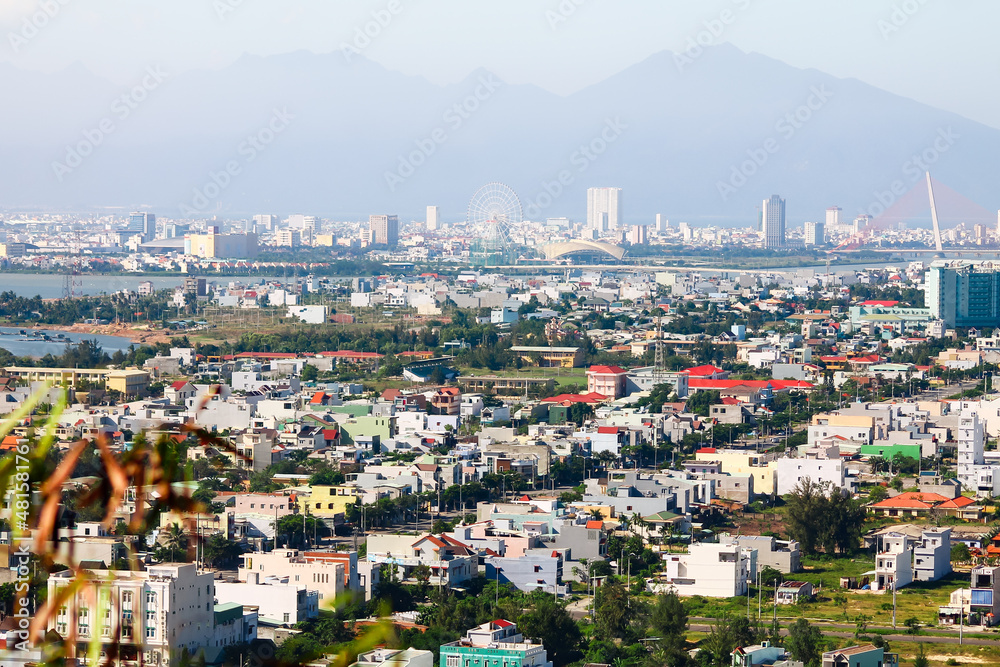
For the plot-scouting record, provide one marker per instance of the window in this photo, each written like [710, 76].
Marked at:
[453, 661]
[286, 618]
[150, 598]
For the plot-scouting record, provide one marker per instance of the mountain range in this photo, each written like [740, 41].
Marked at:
[699, 139]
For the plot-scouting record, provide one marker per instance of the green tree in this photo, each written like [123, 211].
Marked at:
[549, 621]
[805, 642]
[309, 373]
[174, 546]
[217, 551]
[728, 633]
[920, 659]
[669, 621]
[960, 553]
[611, 609]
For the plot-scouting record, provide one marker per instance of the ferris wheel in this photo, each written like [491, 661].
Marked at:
[494, 209]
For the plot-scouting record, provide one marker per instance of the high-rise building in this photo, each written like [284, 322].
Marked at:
[964, 294]
[265, 222]
[832, 216]
[144, 223]
[815, 233]
[288, 238]
[772, 217]
[433, 218]
[662, 224]
[637, 235]
[860, 223]
[604, 208]
[384, 229]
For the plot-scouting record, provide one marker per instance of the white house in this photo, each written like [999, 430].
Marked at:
[709, 569]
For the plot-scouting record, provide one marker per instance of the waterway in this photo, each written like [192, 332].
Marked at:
[31, 345]
[51, 285]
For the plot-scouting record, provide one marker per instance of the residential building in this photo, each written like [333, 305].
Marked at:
[761, 655]
[932, 555]
[815, 233]
[604, 209]
[433, 218]
[159, 612]
[782, 555]
[860, 656]
[894, 563]
[144, 223]
[714, 570]
[964, 293]
[450, 561]
[394, 657]
[330, 501]
[772, 217]
[384, 230]
[535, 569]
[792, 592]
[607, 380]
[327, 573]
[493, 644]
[791, 472]
[277, 600]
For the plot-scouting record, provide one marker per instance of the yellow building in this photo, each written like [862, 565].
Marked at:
[332, 500]
[130, 383]
[761, 466]
[324, 240]
[565, 357]
[13, 249]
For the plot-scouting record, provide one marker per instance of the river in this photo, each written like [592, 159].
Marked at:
[11, 339]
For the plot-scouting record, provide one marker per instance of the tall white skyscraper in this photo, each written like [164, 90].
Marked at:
[433, 218]
[772, 218]
[815, 233]
[832, 217]
[662, 224]
[604, 209]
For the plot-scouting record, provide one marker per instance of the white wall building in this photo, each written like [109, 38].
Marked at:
[709, 569]
[275, 598]
[162, 611]
[604, 209]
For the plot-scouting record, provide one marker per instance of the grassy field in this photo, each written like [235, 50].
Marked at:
[562, 376]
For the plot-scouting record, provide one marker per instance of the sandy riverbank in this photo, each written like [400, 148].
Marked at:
[138, 335]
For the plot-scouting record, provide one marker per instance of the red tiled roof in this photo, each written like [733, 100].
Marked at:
[348, 354]
[330, 433]
[180, 384]
[318, 397]
[706, 450]
[904, 503]
[607, 369]
[956, 503]
[500, 623]
[607, 429]
[266, 355]
[702, 371]
[595, 524]
[923, 497]
[875, 302]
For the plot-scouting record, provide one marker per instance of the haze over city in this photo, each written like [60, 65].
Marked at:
[507, 333]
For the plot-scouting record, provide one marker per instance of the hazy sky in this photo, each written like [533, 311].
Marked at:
[941, 53]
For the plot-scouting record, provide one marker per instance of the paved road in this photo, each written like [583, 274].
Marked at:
[830, 630]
